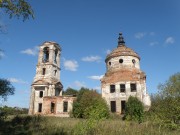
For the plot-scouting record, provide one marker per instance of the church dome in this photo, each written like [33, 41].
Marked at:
[121, 50]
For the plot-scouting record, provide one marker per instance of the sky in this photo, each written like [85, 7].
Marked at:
[87, 30]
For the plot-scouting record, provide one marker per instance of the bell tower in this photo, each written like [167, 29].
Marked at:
[46, 82]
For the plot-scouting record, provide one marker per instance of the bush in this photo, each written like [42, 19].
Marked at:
[90, 104]
[134, 109]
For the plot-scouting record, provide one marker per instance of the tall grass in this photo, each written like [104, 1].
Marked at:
[38, 125]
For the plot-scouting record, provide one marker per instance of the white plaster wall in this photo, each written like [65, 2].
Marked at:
[127, 62]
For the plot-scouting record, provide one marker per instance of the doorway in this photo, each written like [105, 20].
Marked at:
[123, 106]
[113, 106]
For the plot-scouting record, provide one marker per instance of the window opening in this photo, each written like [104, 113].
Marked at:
[57, 92]
[133, 61]
[55, 72]
[55, 56]
[46, 54]
[41, 94]
[40, 107]
[113, 106]
[65, 106]
[52, 107]
[133, 87]
[122, 88]
[120, 60]
[44, 71]
[112, 88]
[123, 106]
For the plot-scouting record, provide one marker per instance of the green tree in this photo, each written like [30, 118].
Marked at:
[134, 109]
[90, 104]
[166, 103]
[17, 8]
[6, 88]
[70, 91]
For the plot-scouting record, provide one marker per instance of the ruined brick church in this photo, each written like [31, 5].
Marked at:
[122, 79]
[46, 89]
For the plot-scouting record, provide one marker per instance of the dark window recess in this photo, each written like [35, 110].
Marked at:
[123, 106]
[122, 88]
[133, 87]
[46, 54]
[65, 106]
[120, 60]
[113, 106]
[55, 72]
[55, 56]
[44, 71]
[57, 92]
[109, 63]
[112, 88]
[40, 107]
[41, 94]
[52, 107]
[133, 61]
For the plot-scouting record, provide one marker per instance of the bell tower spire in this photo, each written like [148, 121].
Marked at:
[121, 41]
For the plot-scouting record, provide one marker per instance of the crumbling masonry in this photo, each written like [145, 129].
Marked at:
[123, 78]
[46, 89]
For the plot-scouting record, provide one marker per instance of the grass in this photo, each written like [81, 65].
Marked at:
[38, 125]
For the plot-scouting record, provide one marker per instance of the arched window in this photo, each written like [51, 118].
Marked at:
[46, 54]
[41, 94]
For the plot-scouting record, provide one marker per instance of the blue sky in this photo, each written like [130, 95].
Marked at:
[86, 31]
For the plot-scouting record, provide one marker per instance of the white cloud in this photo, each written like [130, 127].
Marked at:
[15, 80]
[1, 54]
[169, 40]
[91, 59]
[33, 51]
[71, 65]
[79, 84]
[108, 51]
[153, 43]
[140, 35]
[152, 33]
[97, 88]
[95, 77]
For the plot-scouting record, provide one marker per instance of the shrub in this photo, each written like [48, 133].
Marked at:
[90, 104]
[134, 109]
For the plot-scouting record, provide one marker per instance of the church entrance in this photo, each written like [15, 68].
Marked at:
[113, 106]
[123, 106]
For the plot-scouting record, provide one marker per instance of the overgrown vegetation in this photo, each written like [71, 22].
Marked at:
[36, 125]
[134, 109]
[90, 104]
[165, 107]
[70, 91]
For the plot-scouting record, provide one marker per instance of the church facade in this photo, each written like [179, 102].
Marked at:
[46, 89]
[123, 78]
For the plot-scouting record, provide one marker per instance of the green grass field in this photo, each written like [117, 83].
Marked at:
[38, 125]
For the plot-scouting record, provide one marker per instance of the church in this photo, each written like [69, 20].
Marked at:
[122, 79]
[46, 89]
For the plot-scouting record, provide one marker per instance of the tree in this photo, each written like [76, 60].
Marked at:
[134, 109]
[70, 91]
[17, 8]
[90, 104]
[6, 88]
[166, 103]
